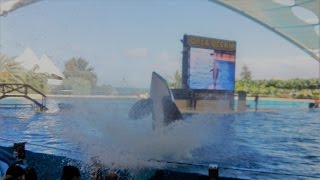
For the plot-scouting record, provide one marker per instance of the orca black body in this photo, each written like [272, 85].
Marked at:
[65, 106]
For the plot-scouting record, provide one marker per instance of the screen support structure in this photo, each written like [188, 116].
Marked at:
[185, 63]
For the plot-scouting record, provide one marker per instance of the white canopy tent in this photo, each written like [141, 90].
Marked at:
[280, 16]
[29, 60]
[47, 66]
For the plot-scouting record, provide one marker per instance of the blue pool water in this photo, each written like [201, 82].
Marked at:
[279, 141]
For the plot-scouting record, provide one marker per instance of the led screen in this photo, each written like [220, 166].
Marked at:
[211, 69]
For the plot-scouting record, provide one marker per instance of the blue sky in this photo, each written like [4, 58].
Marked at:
[130, 39]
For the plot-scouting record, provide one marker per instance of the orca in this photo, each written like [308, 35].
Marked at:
[160, 104]
[65, 106]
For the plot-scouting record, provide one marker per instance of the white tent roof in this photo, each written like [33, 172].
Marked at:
[29, 60]
[47, 66]
[280, 18]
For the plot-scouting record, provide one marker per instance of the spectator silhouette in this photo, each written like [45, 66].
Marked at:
[31, 174]
[111, 176]
[70, 173]
[15, 173]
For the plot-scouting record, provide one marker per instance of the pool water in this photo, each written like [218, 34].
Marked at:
[279, 141]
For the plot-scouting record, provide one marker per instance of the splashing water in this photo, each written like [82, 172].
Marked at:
[108, 134]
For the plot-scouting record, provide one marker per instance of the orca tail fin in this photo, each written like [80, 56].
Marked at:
[140, 109]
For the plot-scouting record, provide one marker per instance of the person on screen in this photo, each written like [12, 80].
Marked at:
[215, 73]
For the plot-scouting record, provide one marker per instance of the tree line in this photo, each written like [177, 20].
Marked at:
[12, 72]
[292, 88]
[81, 79]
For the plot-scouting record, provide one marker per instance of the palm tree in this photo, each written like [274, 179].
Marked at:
[245, 73]
[36, 80]
[10, 70]
[177, 81]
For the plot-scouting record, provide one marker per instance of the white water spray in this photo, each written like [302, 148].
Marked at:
[118, 142]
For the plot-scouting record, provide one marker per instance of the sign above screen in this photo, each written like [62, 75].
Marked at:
[210, 43]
